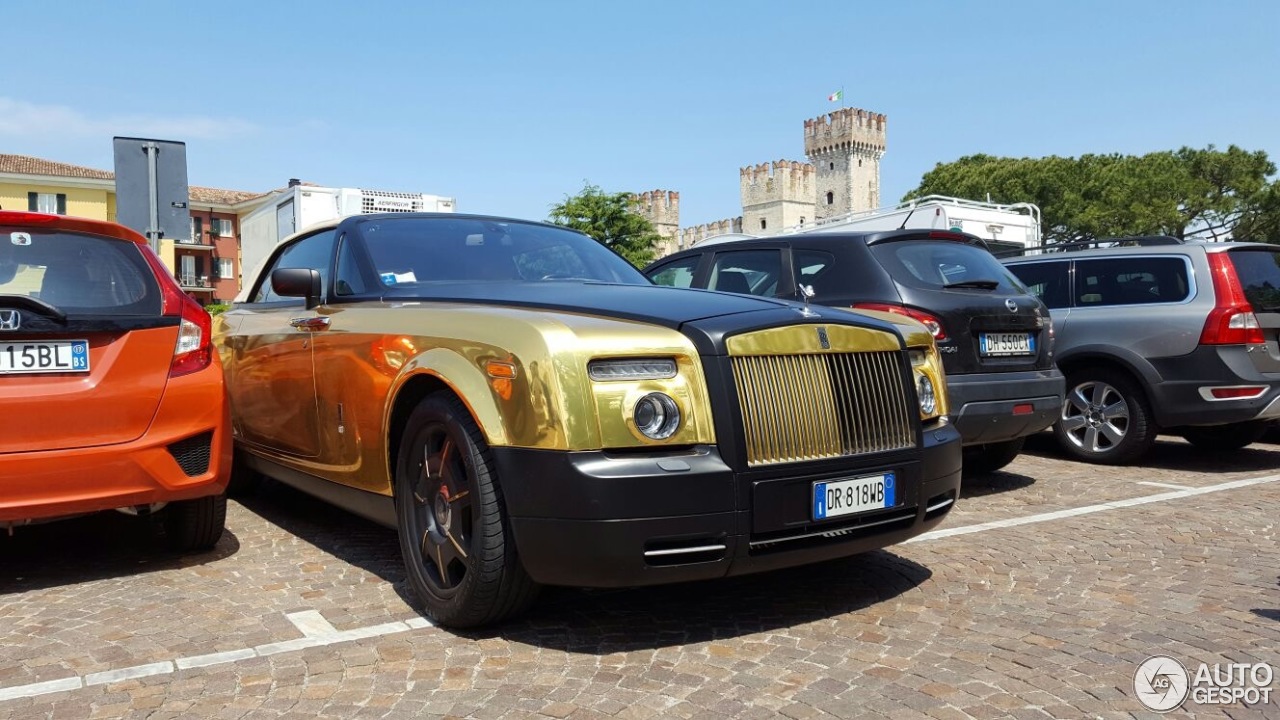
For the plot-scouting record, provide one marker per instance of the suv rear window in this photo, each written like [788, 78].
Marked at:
[1259, 273]
[937, 264]
[77, 273]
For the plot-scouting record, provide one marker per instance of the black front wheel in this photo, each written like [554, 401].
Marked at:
[454, 535]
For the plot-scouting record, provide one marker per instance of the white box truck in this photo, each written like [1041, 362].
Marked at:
[299, 206]
[1005, 227]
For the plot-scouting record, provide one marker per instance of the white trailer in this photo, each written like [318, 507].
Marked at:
[1004, 227]
[299, 206]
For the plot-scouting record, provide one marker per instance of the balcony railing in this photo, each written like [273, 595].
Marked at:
[194, 281]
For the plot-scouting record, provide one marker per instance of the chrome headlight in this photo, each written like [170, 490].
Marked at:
[632, 369]
[928, 398]
[656, 416]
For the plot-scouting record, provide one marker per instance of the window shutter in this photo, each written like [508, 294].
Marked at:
[62, 203]
[33, 201]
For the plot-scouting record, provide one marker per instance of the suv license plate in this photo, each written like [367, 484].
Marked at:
[1006, 344]
[833, 498]
[44, 357]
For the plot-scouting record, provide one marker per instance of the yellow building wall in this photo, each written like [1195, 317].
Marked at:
[81, 202]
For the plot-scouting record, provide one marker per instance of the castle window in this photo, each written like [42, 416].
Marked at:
[763, 223]
[859, 162]
[833, 166]
[801, 219]
[831, 198]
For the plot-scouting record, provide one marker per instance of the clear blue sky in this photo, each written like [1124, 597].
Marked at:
[509, 106]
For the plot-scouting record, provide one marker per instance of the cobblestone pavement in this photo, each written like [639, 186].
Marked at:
[310, 615]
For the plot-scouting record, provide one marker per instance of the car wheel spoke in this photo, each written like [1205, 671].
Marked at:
[1091, 439]
[1118, 409]
[1100, 391]
[1078, 400]
[1112, 433]
[1073, 423]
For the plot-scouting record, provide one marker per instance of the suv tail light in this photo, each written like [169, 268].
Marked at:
[194, 350]
[930, 321]
[1231, 322]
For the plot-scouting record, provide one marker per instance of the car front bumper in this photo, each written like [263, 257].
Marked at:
[596, 519]
[995, 407]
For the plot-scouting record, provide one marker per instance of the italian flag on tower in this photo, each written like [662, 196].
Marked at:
[836, 96]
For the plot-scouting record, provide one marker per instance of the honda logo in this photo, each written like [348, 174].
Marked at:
[10, 319]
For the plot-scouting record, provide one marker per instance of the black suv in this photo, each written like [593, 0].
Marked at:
[1157, 334]
[995, 338]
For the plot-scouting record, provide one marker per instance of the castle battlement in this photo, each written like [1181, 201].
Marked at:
[666, 199]
[793, 171]
[845, 130]
[777, 181]
[691, 235]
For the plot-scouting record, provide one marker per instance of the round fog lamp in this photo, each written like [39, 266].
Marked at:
[657, 416]
[928, 399]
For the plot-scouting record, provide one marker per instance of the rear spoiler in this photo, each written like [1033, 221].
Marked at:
[887, 236]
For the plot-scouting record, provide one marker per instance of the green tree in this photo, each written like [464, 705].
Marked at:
[611, 219]
[1205, 192]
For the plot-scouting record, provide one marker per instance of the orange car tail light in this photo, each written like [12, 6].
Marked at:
[194, 350]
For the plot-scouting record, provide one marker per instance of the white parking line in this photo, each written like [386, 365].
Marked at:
[311, 624]
[318, 632]
[332, 637]
[1090, 509]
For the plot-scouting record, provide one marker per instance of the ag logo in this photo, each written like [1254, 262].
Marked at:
[1161, 683]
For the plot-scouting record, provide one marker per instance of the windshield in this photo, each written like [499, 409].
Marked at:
[937, 264]
[76, 273]
[1259, 273]
[432, 250]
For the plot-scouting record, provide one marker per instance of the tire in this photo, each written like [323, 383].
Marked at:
[1105, 418]
[990, 457]
[193, 525]
[244, 480]
[1226, 437]
[456, 541]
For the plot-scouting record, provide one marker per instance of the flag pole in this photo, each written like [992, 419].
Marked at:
[843, 103]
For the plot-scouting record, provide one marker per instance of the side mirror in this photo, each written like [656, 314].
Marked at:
[297, 282]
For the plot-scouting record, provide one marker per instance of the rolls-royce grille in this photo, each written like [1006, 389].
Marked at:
[808, 407]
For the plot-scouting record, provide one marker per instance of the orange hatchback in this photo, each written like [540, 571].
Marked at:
[111, 396]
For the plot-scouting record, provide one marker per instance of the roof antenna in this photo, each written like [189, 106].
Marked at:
[903, 226]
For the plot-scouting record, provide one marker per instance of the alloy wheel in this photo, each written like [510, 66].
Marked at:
[1095, 417]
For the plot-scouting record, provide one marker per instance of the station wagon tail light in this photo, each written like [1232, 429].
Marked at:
[1231, 322]
[632, 369]
[194, 349]
[931, 322]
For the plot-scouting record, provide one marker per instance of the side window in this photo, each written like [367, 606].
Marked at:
[749, 272]
[312, 251]
[814, 268]
[1047, 281]
[678, 273]
[349, 280]
[1131, 281]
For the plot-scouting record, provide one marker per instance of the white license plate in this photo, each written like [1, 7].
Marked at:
[833, 498]
[1007, 344]
[44, 357]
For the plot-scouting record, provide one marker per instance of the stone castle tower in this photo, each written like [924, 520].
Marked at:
[662, 209]
[776, 195]
[845, 147]
[843, 175]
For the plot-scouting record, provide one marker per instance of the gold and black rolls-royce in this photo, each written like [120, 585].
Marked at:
[525, 408]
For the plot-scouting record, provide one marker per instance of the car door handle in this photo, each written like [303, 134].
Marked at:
[310, 323]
